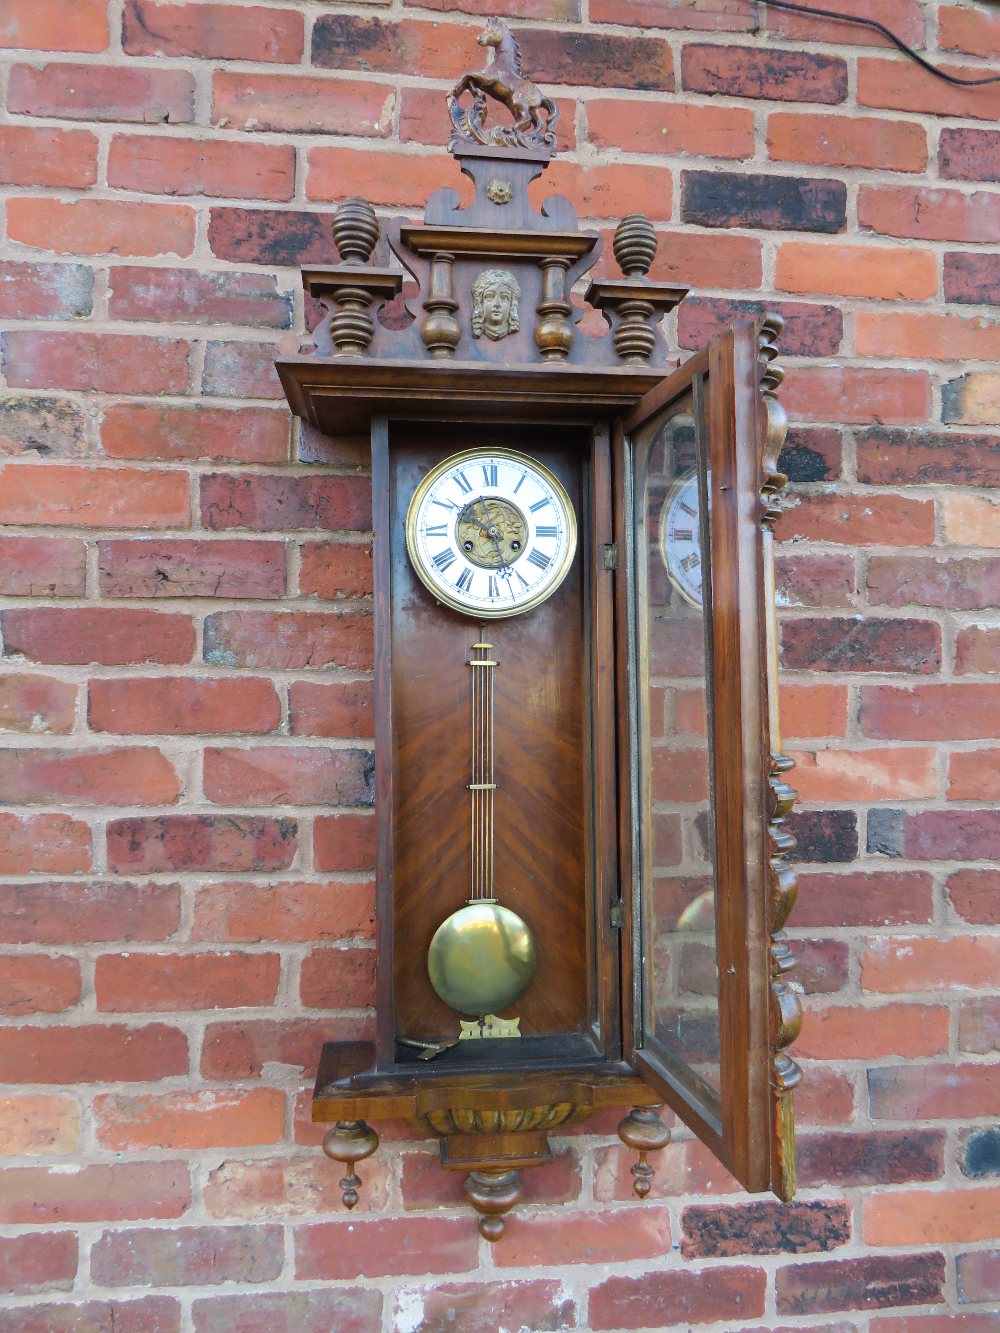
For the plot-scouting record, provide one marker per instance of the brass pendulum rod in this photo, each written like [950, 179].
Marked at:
[482, 785]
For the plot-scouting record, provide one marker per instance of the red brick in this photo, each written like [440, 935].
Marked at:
[289, 103]
[870, 1282]
[694, 15]
[213, 32]
[271, 236]
[344, 842]
[48, 25]
[925, 337]
[934, 1091]
[346, 1309]
[223, 843]
[476, 1307]
[903, 17]
[860, 520]
[892, 457]
[178, 705]
[240, 370]
[977, 648]
[106, 362]
[71, 913]
[42, 1261]
[155, 1314]
[810, 330]
[382, 177]
[425, 1185]
[973, 520]
[979, 1026]
[190, 1121]
[68, 91]
[289, 640]
[286, 774]
[102, 226]
[38, 1124]
[187, 296]
[946, 711]
[149, 430]
[287, 1186]
[857, 395]
[917, 964]
[835, 643]
[814, 710]
[972, 399]
[974, 31]
[864, 898]
[856, 270]
[31, 155]
[811, 454]
[821, 966]
[32, 984]
[153, 164]
[650, 127]
[240, 1050]
[95, 1053]
[928, 214]
[43, 424]
[338, 979]
[937, 1323]
[106, 635]
[714, 1231]
[53, 844]
[265, 503]
[849, 1032]
[967, 584]
[41, 566]
[971, 278]
[165, 983]
[299, 912]
[896, 85]
[152, 567]
[866, 775]
[768, 201]
[120, 1191]
[45, 291]
[54, 493]
[578, 1237]
[701, 1297]
[974, 775]
[975, 896]
[970, 155]
[387, 1246]
[826, 580]
[598, 191]
[335, 570]
[941, 835]
[124, 776]
[706, 260]
[783, 76]
[337, 708]
[886, 1157]
[927, 1217]
[825, 836]
[186, 1256]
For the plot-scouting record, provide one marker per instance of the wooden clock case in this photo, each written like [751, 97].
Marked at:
[573, 856]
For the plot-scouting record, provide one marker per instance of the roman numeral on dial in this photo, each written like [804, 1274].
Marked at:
[539, 560]
[444, 559]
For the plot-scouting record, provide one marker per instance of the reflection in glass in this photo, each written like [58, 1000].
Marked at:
[673, 639]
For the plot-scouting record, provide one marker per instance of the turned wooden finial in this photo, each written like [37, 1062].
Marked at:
[350, 1141]
[355, 230]
[634, 245]
[492, 1194]
[644, 1132]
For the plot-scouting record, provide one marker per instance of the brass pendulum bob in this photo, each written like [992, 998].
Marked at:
[483, 956]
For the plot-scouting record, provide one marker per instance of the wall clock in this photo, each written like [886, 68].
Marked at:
[581, 880]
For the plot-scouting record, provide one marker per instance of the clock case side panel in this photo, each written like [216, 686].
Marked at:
[597, 1041]
[746, 1125]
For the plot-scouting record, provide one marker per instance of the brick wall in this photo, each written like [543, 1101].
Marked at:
[186, 835]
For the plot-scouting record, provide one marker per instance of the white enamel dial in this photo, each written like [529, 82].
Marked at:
[491, 532]
[680, 539]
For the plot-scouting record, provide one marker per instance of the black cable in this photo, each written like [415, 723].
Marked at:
[880, 27]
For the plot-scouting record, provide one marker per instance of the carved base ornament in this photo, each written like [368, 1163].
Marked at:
[579, 905]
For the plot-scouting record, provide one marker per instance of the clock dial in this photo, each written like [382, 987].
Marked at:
[680, 539]
[491, 532]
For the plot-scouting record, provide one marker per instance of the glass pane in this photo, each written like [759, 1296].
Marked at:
[680, 1001]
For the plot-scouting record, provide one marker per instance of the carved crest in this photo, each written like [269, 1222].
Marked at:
[503, 81]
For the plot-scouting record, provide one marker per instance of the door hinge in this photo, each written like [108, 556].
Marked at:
[611, 556]
[618, 914]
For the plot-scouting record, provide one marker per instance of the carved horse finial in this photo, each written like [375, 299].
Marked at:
[502, 80]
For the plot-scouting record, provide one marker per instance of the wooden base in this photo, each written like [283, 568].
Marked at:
[491, 1125]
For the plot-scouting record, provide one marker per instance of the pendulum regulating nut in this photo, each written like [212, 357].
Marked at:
[350, 1142]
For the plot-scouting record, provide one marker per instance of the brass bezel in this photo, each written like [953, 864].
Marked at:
[473, 455]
